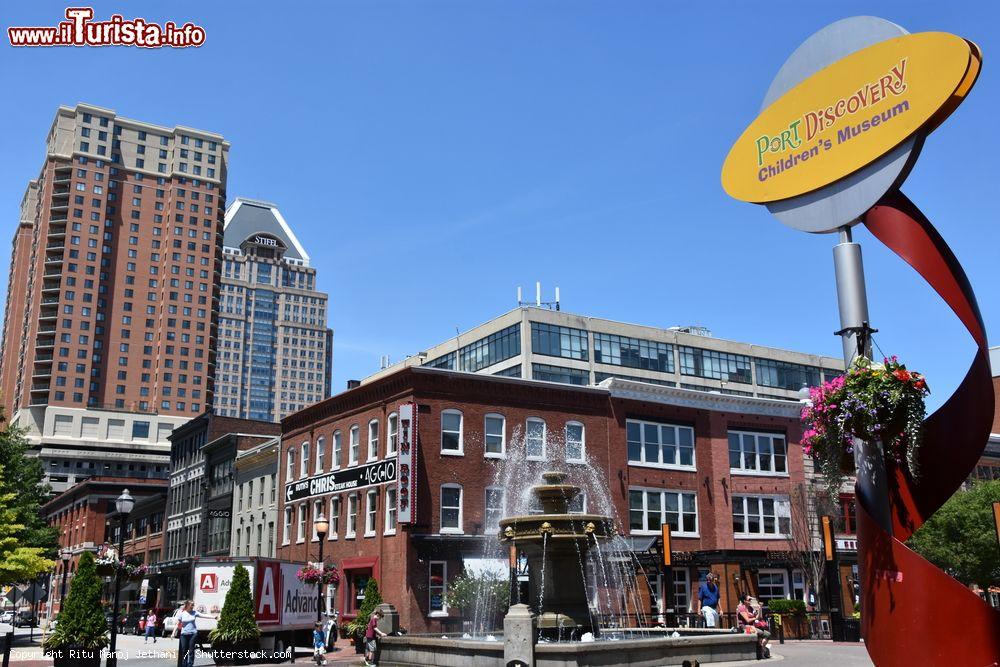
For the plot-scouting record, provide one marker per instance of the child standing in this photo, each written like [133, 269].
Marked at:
[319, 644]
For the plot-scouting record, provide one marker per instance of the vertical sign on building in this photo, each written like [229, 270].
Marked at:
[406, 477]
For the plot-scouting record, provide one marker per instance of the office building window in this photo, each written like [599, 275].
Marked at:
[784, 375]
[761, 516]
[633, 353]
[715, 365]
[493, 349]
[557, 341]
[549, 373]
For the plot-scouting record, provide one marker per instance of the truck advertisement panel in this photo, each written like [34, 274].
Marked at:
[212, 582]
[298, 599]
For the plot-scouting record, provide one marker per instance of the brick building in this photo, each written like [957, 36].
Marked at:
[723, 483]
[82, 515]
[112, 300]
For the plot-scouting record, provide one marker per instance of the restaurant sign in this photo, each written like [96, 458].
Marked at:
[406, 503]
[341, 480]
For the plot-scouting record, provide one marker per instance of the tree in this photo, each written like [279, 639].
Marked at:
[960, 538]
[236, 622]
[372, 599]
[806, 505]
[81, 619]
[18, 562]
[25, 476]
[482, 597]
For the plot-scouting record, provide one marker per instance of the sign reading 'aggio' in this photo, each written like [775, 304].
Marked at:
[848, 115]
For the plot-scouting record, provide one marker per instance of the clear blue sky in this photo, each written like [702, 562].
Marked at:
[432, 156]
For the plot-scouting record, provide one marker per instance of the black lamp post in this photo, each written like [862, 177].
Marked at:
[124, 504]
[64, 556]
[322, 526]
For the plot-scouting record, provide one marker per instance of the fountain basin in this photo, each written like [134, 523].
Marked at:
[704, 645]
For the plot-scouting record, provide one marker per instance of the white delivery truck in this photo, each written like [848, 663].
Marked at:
[284, 607]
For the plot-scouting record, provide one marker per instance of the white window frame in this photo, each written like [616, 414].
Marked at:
[503, 436]
[643, 463]
[373, 442]
[354, 446]
[320, 444]
[779, 501]
[304, 463]
[371, 512]
[334, 517]
[300, 535]
[663, 511]
[757, 472]
[290, 465]
[351, 530]
[441, 507]
[317, 510]
[786, 594]
[685, 583]
[443, 587]
[583, 442]
[338, 450]
[391, 511]
[527, 428]
[461, 428]
[392, 434]
[489, 529]
[286, 534]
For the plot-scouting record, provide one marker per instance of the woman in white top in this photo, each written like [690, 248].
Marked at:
[188, 631]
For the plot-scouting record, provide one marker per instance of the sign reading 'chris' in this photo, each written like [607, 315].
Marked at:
[342, 480]
[848, 114]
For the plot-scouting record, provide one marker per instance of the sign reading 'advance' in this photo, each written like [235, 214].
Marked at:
[848, 115]
[342, 480]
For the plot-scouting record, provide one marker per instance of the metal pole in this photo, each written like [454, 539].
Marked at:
[112, 658]
[62, 587]
[7, 644]
[855, 332]
[319, 587]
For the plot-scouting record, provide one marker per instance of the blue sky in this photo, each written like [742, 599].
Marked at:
[432, 156]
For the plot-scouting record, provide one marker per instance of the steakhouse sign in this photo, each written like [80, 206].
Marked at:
[342, 480]
[849, 114]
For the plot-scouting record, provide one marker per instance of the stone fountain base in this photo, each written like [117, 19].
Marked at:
[706, 646]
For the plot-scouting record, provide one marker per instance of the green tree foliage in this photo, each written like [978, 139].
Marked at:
[372, 599]
[236, 623]
[24, 474]
[484, 588]
[81, 619]
[961, 539]
[18, 562]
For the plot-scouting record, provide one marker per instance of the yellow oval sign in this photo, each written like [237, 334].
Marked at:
[848, 115]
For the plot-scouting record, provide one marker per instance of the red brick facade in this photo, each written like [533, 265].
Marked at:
[400, 561]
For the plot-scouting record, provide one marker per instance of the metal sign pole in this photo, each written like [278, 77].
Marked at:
[852, 299]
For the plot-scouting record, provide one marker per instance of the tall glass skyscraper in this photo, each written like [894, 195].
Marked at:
[274, 354]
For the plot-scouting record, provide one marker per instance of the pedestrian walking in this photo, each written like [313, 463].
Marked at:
[151, 621]
[708, 600]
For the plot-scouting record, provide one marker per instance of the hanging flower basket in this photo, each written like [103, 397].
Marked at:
[316, 573]
[136, 572]
[105, 566]
[872, 402]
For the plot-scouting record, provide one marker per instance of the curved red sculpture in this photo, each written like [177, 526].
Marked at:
[912, 612]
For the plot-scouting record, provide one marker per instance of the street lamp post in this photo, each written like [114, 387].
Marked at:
[124, 504]
[64, 556]
[322, 526]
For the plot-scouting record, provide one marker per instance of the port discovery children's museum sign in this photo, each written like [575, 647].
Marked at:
[849, 114]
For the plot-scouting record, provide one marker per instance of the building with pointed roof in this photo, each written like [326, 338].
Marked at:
[275, 350]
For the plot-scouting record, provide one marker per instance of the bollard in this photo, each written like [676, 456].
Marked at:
[8, 642]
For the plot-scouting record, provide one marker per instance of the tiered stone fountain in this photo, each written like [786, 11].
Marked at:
[556, 544]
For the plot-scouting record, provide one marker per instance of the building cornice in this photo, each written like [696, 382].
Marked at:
[701, 400]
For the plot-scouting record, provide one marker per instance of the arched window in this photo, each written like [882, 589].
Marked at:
[574, 436]
[534, 439]
[320, 453]
[392, 439]
[354, 445]
[304, 463]
[451, 508]
[290, 465]
[337, 453]
[451, 433]
[494, 436]
[373, 440]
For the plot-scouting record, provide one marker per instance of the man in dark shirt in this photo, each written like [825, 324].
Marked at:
[708, 600]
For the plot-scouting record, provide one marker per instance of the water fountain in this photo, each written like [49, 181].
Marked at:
[582, 605]
[556, 543]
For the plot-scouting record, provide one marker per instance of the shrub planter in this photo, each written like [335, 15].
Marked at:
[76, 656]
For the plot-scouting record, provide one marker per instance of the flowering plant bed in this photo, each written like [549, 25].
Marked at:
[316, 573]
[883, 402]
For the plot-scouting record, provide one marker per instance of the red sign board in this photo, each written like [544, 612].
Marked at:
[268, 598]
[208, 582]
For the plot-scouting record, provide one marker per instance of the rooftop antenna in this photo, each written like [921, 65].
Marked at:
[538, 303]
